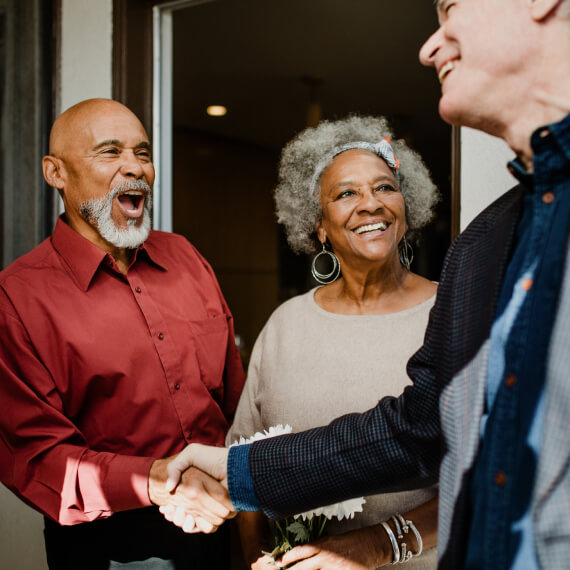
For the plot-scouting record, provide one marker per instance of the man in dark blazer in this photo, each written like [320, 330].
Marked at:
[487, 411]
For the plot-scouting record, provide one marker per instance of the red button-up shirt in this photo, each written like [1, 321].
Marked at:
[101, 373]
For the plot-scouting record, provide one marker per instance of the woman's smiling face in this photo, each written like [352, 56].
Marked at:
[364, 214]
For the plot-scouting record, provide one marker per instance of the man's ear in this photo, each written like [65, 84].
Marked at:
[541, 9]
[52, 169]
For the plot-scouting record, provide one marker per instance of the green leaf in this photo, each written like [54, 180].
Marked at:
[300, 531]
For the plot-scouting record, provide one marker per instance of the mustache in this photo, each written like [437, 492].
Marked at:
[130, 185]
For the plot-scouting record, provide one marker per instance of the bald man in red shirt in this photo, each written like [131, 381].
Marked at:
[117, 350]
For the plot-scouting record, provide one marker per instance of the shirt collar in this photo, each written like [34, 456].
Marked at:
[544, 139]
[84, 258]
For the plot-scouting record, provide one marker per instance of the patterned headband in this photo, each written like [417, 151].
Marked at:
[383, 149]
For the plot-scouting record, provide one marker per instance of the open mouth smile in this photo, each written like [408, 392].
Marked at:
[445, 69]
[131, 203]
[377, 227]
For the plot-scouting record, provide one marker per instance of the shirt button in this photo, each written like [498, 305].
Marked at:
[510, 380]
[500, 478]
[177, 386]
[527, 284]
[138, 289]
[548, 197]
[160, 336]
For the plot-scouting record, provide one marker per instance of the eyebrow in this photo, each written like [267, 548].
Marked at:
[117, 142]
[379, 178]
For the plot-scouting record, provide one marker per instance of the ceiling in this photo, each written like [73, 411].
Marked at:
[252, 55]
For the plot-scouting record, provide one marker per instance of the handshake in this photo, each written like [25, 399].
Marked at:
[191, 488]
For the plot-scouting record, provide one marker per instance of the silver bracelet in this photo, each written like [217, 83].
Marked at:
[394, 519]
[403, 522]
[393, 541]
[418, 538]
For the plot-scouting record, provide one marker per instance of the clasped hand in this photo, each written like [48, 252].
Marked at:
[191, 488]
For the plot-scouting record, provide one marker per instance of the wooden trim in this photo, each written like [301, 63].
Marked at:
[455, 182]
[132, 57]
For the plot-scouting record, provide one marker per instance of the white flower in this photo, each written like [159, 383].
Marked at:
[344, 509]
[271, 432]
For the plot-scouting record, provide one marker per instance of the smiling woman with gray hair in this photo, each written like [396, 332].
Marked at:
[297, 200]
[353, 197]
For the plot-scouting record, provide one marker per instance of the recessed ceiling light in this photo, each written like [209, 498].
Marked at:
[216, 110]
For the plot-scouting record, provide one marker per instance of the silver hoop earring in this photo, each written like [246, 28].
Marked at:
[406, 253]
[326, 278]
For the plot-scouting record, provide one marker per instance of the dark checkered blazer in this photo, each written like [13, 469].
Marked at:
[433, 427]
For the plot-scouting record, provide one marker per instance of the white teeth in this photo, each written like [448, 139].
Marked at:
[450, 65]
[381, 226]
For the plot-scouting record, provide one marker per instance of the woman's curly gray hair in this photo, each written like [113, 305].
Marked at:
[300, 212]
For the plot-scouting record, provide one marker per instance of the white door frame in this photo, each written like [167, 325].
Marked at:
[162, 108]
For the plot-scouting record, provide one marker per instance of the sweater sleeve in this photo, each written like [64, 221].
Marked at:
[247, 420]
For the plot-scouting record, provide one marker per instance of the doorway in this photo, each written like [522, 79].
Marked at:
[277, 67]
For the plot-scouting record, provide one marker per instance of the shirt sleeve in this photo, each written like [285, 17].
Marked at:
[44, 458]
[240, 482]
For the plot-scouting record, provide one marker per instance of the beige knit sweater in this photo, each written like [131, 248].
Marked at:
[309, 366]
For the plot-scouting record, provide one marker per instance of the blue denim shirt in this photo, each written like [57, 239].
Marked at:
[501, 532]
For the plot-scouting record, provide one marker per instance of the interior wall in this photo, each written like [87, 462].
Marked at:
[86, 51]
[484, 175]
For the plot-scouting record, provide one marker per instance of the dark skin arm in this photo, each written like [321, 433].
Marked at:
[365, 548]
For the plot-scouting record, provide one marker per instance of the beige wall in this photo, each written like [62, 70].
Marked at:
[86, 51]
[484, 176]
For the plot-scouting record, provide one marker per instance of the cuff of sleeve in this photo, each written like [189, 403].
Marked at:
[240, 482]
[126, 484]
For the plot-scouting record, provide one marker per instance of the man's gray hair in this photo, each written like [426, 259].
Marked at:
[300, 211]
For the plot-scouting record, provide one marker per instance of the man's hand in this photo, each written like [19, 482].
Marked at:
[202, 503]
[211, 460]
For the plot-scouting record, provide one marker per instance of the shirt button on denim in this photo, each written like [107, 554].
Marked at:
[548, 197]
[160, 336]
[527, 284]
[510, 380]
[500, 478]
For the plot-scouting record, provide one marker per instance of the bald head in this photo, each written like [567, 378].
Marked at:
[73, 122]
[100, 161]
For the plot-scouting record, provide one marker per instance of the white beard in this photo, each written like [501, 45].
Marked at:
[98, 211]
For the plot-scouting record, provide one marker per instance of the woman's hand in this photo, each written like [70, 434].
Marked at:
[264, 562]
[361, 549]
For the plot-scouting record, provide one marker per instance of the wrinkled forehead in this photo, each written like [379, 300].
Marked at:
[87, 126]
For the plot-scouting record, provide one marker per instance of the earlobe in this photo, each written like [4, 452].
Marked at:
[541, 9]
[321, 233]
[51, 168]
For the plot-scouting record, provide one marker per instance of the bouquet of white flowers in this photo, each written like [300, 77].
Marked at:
[304, 527]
